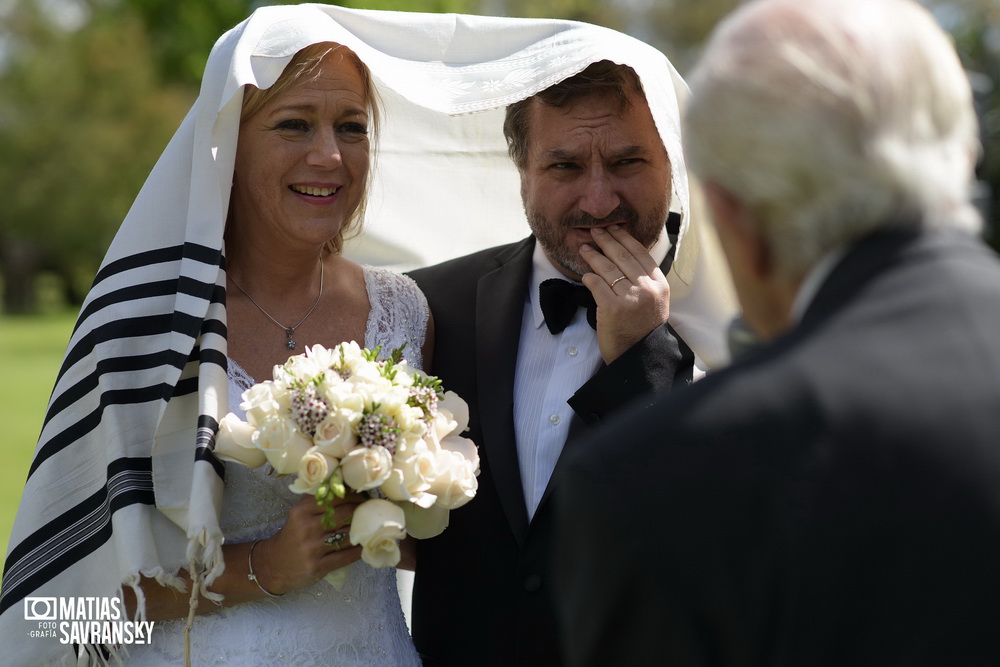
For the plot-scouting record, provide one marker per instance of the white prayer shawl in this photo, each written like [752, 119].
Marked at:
[123, 480]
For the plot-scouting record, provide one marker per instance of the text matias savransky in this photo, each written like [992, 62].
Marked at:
[85, 620]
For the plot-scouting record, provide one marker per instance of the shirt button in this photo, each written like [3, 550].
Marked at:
[572, 351]
[532, 583]
[554, 420]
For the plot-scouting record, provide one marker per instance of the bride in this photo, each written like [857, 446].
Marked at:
[228, 263]
[300, 177]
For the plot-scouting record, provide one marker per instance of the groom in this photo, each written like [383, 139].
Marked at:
[594, 174]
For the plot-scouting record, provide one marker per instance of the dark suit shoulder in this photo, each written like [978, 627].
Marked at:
[447, 275]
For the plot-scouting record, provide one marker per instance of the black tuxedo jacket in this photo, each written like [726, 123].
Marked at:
[831, 499]
[482, 589]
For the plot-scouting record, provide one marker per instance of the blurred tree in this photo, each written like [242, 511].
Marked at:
[608, 14]
[975, 25]
[680, 27]
[83, 117]
[182, 33]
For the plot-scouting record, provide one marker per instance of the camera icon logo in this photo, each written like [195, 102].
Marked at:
[40, 609]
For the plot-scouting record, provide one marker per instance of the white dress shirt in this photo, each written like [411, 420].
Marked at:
[550, 369]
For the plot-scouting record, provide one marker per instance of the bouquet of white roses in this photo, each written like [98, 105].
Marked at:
[342, 420]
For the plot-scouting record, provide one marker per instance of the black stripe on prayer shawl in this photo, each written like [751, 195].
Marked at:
[185, 386]
[207, 428]
[132, 327]
[213, 357]
[148, 325]
[199, 253]
[126, 328]
[77, 533]
[113, 365]
[136, 363]
[169, 287]
[214, 326]
[89, 422]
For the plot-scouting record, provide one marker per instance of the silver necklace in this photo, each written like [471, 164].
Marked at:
[290, 343]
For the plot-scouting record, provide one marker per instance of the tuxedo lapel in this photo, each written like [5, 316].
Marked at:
[674, 234]
[499, 310]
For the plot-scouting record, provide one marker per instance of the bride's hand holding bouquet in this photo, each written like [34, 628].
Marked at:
[343, 422]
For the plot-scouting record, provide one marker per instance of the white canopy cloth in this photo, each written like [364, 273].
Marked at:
[123, 481]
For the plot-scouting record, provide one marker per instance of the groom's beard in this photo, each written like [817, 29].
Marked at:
[552, 238]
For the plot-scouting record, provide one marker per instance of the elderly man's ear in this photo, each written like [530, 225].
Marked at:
[745, 249]
[766, 296]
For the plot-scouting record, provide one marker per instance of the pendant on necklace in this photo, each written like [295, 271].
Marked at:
[290, 344]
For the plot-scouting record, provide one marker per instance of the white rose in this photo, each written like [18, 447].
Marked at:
[350, 352]
[457, 409]
[423, 523]
[330, 380]
[404, 374]
[367, 372]
[323, 357]
[414, 428]
[314, 468]
[407, 447]
[335, 435]
[393, 399]
[410, 421]
[341, 396]
[282, 444]
[234, 442]
[281, 376]
[450, 418]
[302, 367]
[358, 393]
[410, 479]
[455, 483]
[263, 401]
[465, 447]
[377, 526]
[366, 468]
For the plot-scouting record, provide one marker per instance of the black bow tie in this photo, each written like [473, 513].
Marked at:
[559, 300]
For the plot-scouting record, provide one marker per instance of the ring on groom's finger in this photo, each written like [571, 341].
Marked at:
[617, 280]
[334, 539]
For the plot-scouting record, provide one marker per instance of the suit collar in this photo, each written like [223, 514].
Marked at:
[499, 309]
[859, 265]
[814, 280]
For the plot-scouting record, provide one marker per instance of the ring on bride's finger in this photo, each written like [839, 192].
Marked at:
[616, 281]
[334, 539]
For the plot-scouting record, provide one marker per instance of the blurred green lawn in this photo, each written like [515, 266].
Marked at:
[31, 349]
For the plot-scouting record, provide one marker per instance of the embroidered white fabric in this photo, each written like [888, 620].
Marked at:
[362, 624]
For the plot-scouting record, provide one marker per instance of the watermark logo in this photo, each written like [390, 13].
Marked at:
[40, 609]
[84, 620]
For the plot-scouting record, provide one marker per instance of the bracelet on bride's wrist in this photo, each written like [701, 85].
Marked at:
[253, 577]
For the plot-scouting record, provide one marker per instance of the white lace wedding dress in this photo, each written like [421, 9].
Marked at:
[362, 624]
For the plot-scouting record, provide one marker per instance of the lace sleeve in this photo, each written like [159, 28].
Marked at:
[399, 314]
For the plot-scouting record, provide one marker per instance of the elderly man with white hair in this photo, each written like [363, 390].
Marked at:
[833, 497]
